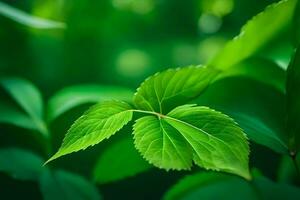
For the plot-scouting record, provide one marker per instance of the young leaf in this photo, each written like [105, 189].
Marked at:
[28, 97]
[293, 102]
[62, 185]
[192, 133]
[100, 122]
[128, 163]
[73, 96]
[20, 164]
[261, 120]
[255, 34]
[166, 90]
[28, 20]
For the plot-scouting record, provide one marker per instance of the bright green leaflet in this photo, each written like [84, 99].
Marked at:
[209, 185]
[261, 120]
[98, 123]
[255, 34]
[62, 185]
[193, 133]
[20, 164]
[168, 89]
[29, 98]
[10, 115]
[258, 69]
[73, 96]
[293, 103]
[27, 19]
[119, 161]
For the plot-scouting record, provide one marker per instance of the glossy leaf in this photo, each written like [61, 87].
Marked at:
[119, 161]
[192, 133]
[27, 19]
[29, 98]
[73, 96]
[293, 102]
[256, 107]
[62, 185]
[20, 164]
[255, 35]
[98, 123]
[168, 89]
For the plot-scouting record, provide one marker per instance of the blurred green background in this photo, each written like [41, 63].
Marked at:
[113, 42]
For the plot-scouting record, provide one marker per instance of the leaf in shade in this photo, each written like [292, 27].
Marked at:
[20, 164]
[62, 185]
[119, 161]
[29, 98]
[73, 96]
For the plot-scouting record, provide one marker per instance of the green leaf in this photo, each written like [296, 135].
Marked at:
[293, 102]
[10, 115]
[287, 170]
[166, 90]
[73, 96]
[29, 98]
[258, 69]
[28, 20]
[98, 123]
[62, 185]
[205, 185]
[20, 164]
[255, 35]
[256, 107]
[113, 165]
[210, 185]
[192, 133]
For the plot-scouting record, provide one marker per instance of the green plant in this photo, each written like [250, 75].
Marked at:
[206, 115]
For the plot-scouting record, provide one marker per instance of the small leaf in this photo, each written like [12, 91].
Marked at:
[20, 164]
[166, 90]
[293, 102]
[255, 35]
[10, 115]
[119, 161]
[29, 98]
[62, 185]
[73, 96]
[261, 120]
[100, 122]
[28, 20]
[287, 172]
[192, 133]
